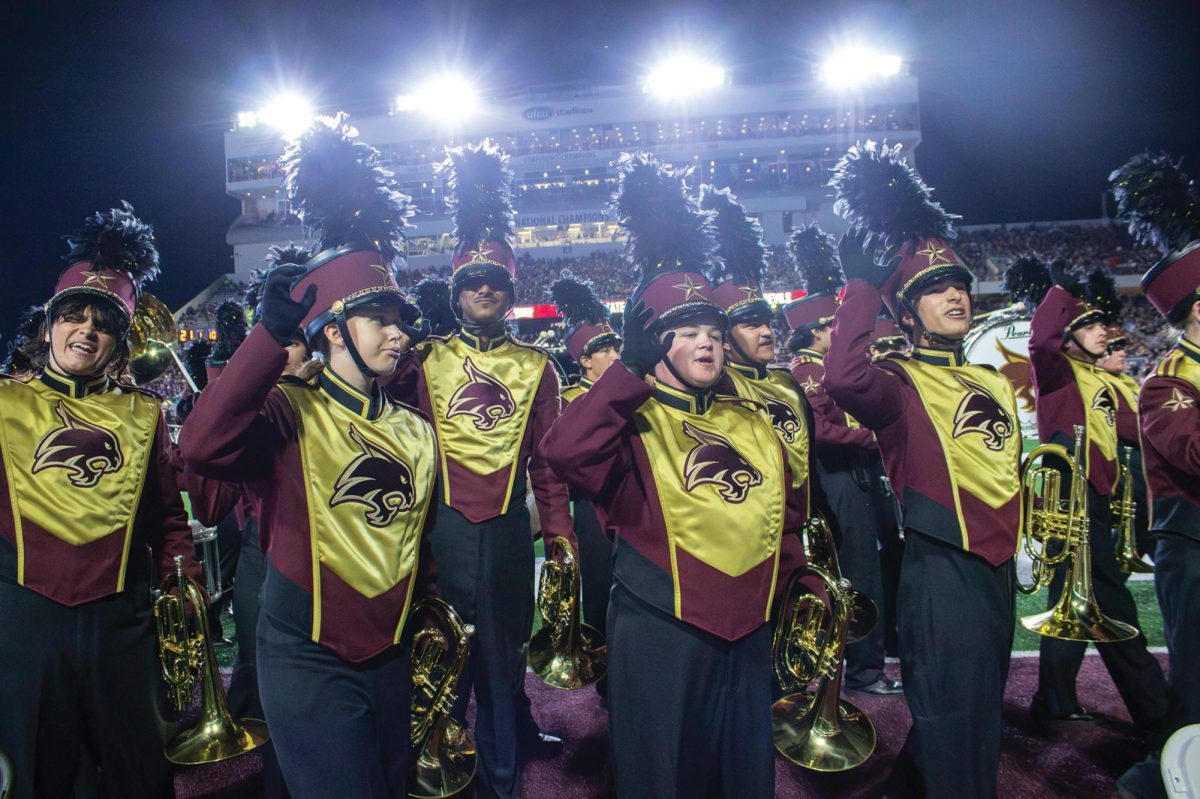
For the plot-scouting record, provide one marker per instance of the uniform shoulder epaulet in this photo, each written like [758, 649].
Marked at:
[741, 402]
[802, 359]
[136, 389]
[1168, 366]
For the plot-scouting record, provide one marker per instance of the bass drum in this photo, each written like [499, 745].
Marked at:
[1002, 340]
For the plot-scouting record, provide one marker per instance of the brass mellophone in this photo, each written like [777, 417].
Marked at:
[565, 653]
[1124, 514]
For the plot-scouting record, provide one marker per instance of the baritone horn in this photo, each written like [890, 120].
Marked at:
[817, 729]
[1055, 533]
[185, 650]
[444, 752]
[153, 337]
[1124, 513]
[565, 653]
[822, 552]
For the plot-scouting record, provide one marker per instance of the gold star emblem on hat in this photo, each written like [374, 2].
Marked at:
[480, 254]
[381, 269]
[96, 277]
[1178, 401]
[810, 386]
[935, 255]
[751, 292]
[688, 288]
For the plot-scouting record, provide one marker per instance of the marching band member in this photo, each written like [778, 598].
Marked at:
[595, 347]
[79, 667]
[948, 434]
[697, 490]
[1170, 426]
[342, 477]
[1067, 337]
[491, 399]
[847, 457]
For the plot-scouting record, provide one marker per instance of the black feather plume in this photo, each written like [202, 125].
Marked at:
[432, 296]
[1102, 294]
[815, 255]
[343, 196]
[195, 359]
[231, 331]
[666, 229]
[1159, 201]
[1027, 280]
[117, 239]
[479, 192]
[276, 255]
[577, 301]
[742, 255]
[877, 191]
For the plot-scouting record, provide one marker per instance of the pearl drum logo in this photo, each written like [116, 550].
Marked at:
[979, 412]
[1106, 404]
[376, 479]
[86, 451]
[714, 461]
[783, 419]
[484, 399]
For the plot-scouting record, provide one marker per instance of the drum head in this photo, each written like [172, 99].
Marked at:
[1002, 341]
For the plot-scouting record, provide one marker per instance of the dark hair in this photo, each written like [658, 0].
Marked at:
[800, 339]
[105, 317]
[1178, 316]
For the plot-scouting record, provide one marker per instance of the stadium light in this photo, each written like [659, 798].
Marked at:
[290, 114]
[683, 76]
[448, 96]
[855, 65]
[247, 119]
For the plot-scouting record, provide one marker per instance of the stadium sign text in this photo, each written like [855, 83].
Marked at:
[540, 113]
[576, 218]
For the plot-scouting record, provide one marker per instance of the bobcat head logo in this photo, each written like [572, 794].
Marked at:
[86, 451]
[484, 399]
[783, 419]
[377, 479]
[979, 412]
[714, 461]
[1018, 371]
[1106, 403]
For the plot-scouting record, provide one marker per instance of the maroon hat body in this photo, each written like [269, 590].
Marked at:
[347, 277]
[1083, 314]
[586, 338]
[813, 311]
[921, 263]
[740, 300]
[114, 285]
[1173, 280]
[674, 296]
[483, 259]
[886, 327]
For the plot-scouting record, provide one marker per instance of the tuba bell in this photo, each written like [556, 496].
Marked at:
[565, 653]
[1124, 513]
[185, 650]
[444, 759]
[817, 729]
[1055, 533]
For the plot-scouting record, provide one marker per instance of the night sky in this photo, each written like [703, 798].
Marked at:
[1026, 106]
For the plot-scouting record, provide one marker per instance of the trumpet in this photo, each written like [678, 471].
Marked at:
[185, 650]
[817, 729]
[1055, 533]
[1124, 513]
[565, 653]
[444, 762]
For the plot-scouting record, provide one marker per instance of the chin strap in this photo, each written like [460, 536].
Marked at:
[1085, 350]
[340, 319]
[737, 350]
[937, 339]
[491, 330]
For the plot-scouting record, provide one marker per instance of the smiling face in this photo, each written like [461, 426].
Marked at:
[944, 308]
[483, 304]
[696, 353]
[755, 340]
[82, 339]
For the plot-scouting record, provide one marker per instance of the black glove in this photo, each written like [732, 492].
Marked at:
[417, 334]
[183, 408]
[279, 313]
[642, 348]
[1061, 275]
[860, 264]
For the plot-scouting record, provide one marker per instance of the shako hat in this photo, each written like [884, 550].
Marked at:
[814, 257]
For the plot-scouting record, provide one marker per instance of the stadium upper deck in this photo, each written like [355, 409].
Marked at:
[770, 142]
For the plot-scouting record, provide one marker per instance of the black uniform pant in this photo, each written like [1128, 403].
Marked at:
[485, 571]
[689, 713]
[82, 679]
[339, 729]
[1135, 672]
[595, 571]
[956, 615]
[859, 514]
[1177, 581]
